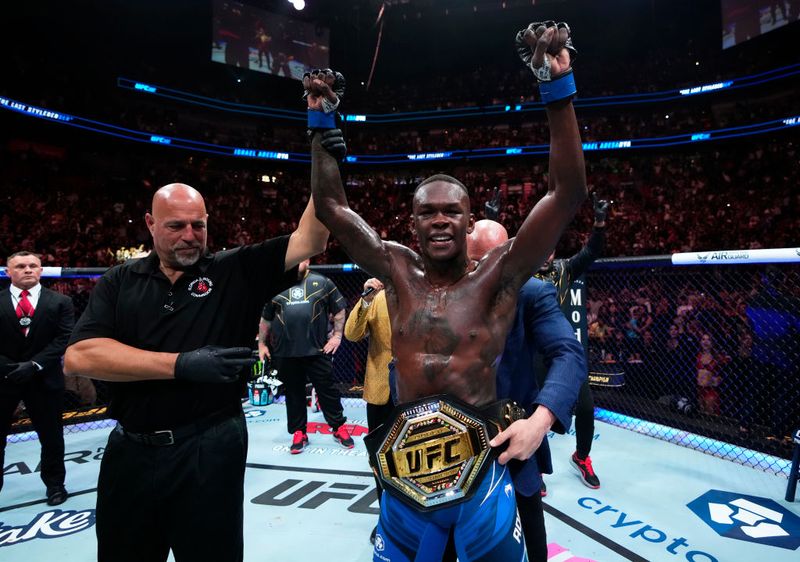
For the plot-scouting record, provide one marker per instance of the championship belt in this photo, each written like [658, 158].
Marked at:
[435, 450]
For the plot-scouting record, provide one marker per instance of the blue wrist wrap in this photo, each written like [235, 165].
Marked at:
[561, 88]
[321, 120]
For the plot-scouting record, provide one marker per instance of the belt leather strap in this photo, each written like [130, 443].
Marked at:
[168, 437]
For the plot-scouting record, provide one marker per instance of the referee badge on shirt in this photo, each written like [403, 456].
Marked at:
[201, 287]
[297, 294]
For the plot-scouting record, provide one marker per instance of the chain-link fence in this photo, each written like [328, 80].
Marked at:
[709, 355]
[349, 363]
[710, 351]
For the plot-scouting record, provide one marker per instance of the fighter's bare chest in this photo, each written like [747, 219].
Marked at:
[445, 314]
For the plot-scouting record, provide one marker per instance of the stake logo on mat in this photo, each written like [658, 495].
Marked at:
[47, 525]
[748, 518]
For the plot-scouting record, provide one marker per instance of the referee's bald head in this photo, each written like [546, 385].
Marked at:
[177, 195]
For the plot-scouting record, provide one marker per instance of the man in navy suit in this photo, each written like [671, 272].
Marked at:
[35, 325]
[539, 327]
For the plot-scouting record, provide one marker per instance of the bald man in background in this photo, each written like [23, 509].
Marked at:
[172, 333]
[539, 329]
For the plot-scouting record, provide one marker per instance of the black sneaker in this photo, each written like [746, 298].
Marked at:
[299, 442]
[343, 437]
[56, 495]
[585, 470]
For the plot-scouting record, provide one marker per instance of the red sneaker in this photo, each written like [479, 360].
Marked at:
[343, 437]
[585, 470]
[299, 442]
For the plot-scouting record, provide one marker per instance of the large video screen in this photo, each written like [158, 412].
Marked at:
[747, 19]
[253, 38]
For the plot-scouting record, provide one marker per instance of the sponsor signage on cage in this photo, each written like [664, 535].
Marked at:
[772, 255]
[611, 379]
[748, 518]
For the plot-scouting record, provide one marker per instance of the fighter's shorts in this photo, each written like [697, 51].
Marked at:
[486, 527]
[439, 472]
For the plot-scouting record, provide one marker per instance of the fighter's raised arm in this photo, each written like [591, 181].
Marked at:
[323, 92]
[547, 49]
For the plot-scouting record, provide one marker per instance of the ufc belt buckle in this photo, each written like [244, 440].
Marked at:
[434, 452]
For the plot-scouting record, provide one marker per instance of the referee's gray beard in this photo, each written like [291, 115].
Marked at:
[186, 259]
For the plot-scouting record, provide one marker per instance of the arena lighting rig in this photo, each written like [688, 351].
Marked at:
[304, 157]
[498, 109]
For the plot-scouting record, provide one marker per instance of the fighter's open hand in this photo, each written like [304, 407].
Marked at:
[332, 344]
[323, 89]
[546, 48]
[524, 436]
[263, 352]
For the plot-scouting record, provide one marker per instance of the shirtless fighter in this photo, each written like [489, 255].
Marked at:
[440, 457]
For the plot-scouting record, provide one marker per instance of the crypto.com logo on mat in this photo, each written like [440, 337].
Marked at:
[748, 518]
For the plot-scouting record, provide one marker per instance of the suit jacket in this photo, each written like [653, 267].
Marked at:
[540, 327]
[46, 341]
[373, 322]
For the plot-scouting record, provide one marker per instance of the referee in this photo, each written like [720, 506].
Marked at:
[171, 332]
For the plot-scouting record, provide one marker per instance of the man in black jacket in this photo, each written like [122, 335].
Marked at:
[35, 325]
[562, 273]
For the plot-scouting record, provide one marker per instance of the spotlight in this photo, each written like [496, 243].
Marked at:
[298, 4]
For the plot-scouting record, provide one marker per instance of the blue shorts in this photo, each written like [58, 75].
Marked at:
[486, 528]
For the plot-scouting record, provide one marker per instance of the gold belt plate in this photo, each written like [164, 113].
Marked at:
[434, 452]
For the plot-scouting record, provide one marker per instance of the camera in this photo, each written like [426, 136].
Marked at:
[683, 405]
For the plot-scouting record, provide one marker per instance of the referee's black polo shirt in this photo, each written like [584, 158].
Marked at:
[215, 302]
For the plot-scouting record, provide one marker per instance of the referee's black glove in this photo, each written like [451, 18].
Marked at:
[213, 363]
[21, 373]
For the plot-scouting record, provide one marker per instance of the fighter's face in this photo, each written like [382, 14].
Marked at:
[179, 233]
[24, 271]
[442, 220]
